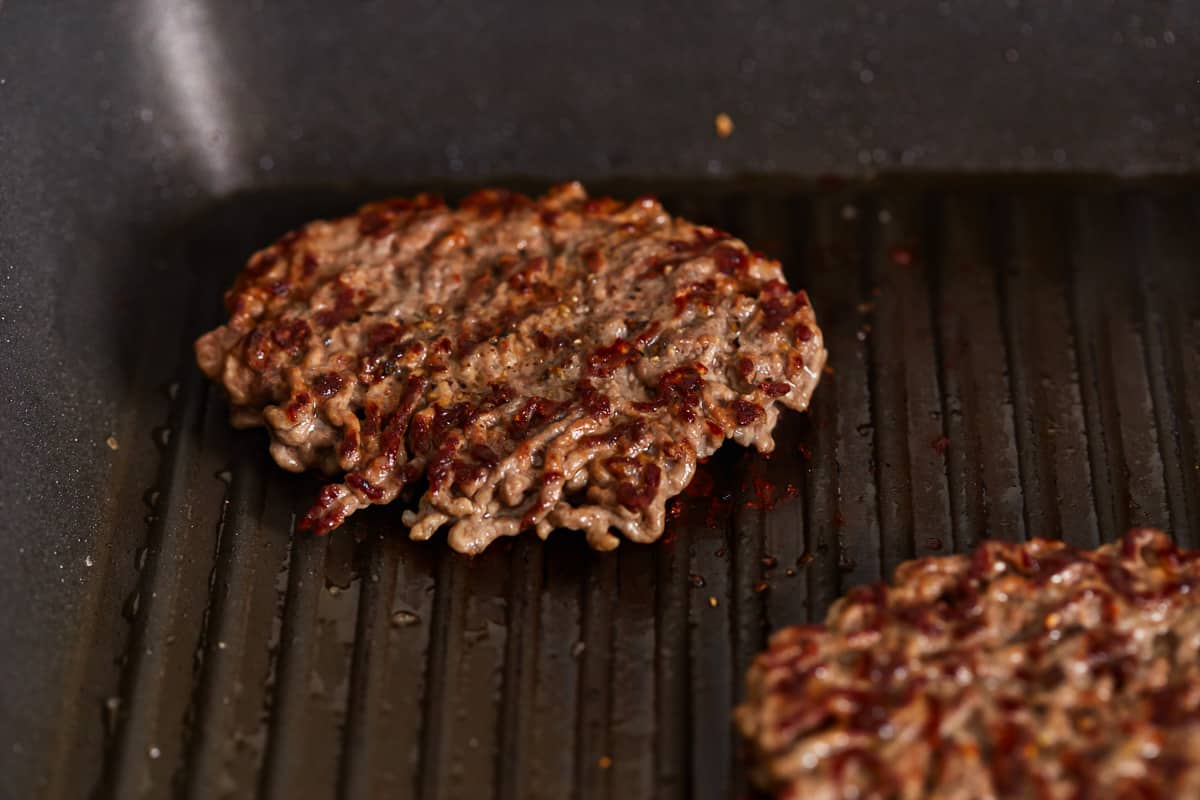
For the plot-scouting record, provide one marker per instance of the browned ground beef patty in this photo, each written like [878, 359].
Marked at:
[532, 363]
[1032, 670]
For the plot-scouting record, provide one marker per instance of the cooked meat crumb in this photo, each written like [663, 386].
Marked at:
[560, 362]
[1023, 670]
[724, 125]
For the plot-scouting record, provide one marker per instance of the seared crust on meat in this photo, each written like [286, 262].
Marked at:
[532, 363]
[1025, 670]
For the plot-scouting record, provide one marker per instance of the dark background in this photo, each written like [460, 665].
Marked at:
[123, 123]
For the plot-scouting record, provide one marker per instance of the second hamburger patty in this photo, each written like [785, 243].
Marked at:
[1024, 670]
[558, 362]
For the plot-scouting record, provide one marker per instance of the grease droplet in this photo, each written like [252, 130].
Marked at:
[403, 619]
[112, 711]
[132, 605]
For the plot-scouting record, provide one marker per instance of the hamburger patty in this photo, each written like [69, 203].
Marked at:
[531, 363]
[1030, 670]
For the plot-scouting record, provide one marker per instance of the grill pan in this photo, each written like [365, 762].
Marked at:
[1010, 361]
[1012, 356]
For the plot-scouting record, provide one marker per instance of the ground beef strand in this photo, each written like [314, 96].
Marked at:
[559, 362]
[1024, 670]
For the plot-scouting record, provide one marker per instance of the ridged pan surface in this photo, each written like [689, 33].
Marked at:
[1008, 359]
